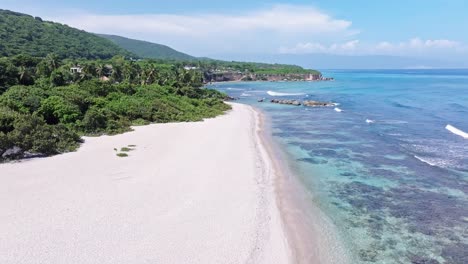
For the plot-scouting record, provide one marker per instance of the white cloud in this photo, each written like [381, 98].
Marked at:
[418, 45]
[278, 19]
[314, 47]
[256, 31]
[279, 28]
[411, 47]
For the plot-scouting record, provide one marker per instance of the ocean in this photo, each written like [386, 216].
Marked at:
[388, 165]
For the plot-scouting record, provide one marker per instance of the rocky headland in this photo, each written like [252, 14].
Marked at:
[231, 76]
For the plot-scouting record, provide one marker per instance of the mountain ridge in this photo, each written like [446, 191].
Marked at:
[146, 49]
[25, 34]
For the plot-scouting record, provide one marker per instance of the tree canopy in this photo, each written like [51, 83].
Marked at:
[145, 49]
[46, 104]
[25, 34]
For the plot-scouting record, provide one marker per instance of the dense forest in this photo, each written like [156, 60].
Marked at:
[46, 104]
[145, 49]
[25, 34]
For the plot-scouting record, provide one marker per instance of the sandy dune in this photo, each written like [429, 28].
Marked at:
[189, 193]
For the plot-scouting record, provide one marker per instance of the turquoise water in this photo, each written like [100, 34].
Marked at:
[385, 170]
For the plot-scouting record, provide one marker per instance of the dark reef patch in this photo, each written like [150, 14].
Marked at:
[432, 214]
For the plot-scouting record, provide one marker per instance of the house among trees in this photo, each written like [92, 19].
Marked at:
[76, 69]
[189, 68]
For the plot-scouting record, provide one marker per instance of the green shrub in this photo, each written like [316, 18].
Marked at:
[56, 109]
[24, 99]
[32, 134]
[122, 155]
[95, 120]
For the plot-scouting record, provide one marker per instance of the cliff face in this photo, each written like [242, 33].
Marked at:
[236, 76]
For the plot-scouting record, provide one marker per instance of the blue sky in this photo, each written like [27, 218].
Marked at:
[426, 29]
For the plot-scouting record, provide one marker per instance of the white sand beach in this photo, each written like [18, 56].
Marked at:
[189, 193]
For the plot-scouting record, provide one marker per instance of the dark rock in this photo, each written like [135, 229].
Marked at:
[368, 255]
[12, 153]
[288, 102]
[422, 260]
[29, 155]
[318, 104]
[313, 161]
[229, 98]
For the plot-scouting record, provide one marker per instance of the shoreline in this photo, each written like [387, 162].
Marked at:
[276, 219]
[263, 81]
[164, 202]
[311, 234]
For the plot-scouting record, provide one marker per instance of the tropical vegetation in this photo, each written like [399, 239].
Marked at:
[47, 104]
[58, 83]
[145, 49]
[25, 34]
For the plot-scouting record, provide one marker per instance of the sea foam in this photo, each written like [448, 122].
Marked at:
[271, 93]
[457, 131]
[338, 110]
[425, 161]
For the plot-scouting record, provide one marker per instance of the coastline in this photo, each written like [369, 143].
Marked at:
[311, 235]
[87, 206]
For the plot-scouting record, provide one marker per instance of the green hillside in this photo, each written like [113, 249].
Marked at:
[148, 50]
[25, 34]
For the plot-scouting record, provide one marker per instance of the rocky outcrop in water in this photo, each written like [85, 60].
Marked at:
[305, 103]
[318, 104]
[288, 102]
[230, 76]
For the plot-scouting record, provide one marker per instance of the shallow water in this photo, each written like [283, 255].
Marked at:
[385, 169]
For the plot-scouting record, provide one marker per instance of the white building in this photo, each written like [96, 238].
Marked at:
[76, 69]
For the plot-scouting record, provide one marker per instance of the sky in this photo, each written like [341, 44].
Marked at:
[429, 29]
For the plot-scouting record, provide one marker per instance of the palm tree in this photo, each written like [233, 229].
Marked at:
[100, 70]
[127, 72]
[52, 62]
[88, 70]
[150, 75]
[116, 73]
[22, 72]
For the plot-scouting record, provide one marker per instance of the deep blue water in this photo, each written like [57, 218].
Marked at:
[396, 186]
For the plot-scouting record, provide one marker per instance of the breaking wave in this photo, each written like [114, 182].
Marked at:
[271, 93]
[425, 161]
[338, 110]
[457, 131]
